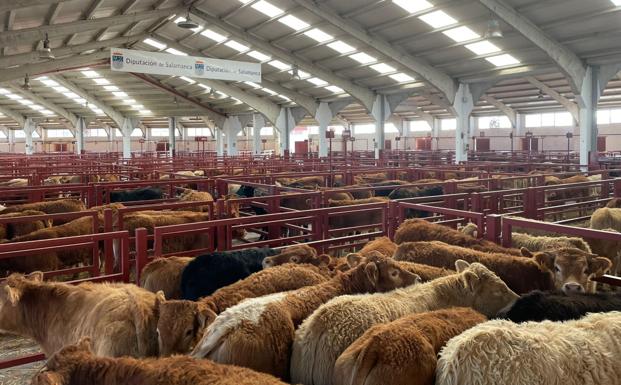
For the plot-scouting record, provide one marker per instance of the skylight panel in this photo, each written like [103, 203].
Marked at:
[482, 47]
[383, 68]
[303, 75]
[49, 82]
[145, 112]
[616, 2]
[318, 35]
[252, 84]
[502, 60]
[80, 100]
[111, 88]
[36, 107]
[267, 8]
[61, 89]
[236, 46]
[335, 89]
[341, 47]
[317, 82]
[47, 112]
[71, 95]
[14, 96]
[222, 93]
[25, 102]
[90, 74]
[401, 77]
[437, 19]
[280, 65]
[204, 86]
[130, 101]
[213, 35]
[154, 43]
[269, 91]
[176, 52]
[258, 55]
[413, 6]
[293, 22]
[4, 91]
[137, 106]
[363, 58]
[284, 97]
[187, 79]
[102, 81]
[460, 34]
[120, 94]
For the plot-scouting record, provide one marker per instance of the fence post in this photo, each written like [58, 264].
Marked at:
[141, 252]
[506, 233]
[530, 203]
[492, 227]
[617, 188]
[108, 252]
[476, 200]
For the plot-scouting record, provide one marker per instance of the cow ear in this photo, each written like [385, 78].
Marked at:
[599, 266]
[36, 276]
[324, 259]
[461, 265]
[160, 298]
[354, 259]
[84, 344]
[525, 252]
[470, 280]
[205, 317]
[48, 378]
[545, 260]
[372, 273]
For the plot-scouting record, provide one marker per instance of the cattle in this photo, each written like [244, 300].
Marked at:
[258, 333]
[16, 182]
[387, 183]
[50, 207]
[614, 203]
[607, 219]
[567, 193]
[334, 326]
[139, 194]
[402, 352]
[361, 218]
[308, 182]
[189, 195]
[182, 323]
[76, 364]
[416, 192]
[502, 352]
[207, 273]
[164, 274]
[413, 230]
[558, 306]
[15, 229]
[383, 245]
[120, 318]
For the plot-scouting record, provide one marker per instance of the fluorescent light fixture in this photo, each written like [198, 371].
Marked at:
[130, 101]
[187, 79]
[145, 112]
[280, 65]
[93, 107]
[236, 46]
[335, 89]
[155, 43]
[36, 107]
[47, 112]
[341, 47]
[213, 35]
[253, 85]
[25, 102]
[14, 97]
[363, 58]
[176, 52]
[269, 91]
[401, 77]
[137, 106]
[413, 5]
[284, 97]
[71, 95]
[49, 82]
[111, 88]
[222, 93]
[437, 19]
[90, 74]
[293, 22]
[80, 100]
[460, 34]
[318, 35]
[317, 82]
[267, 8]
[502, 60]
[4, 91]
[383, 68]
[61, 89]
[102, 81]
[258, 55]
[204, 86]
[120, 94]
[482, 47]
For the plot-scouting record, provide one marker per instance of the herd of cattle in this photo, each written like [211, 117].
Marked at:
[436, 306]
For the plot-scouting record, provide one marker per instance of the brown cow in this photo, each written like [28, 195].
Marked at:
[356, 218]
[15, 229]
[164, 274]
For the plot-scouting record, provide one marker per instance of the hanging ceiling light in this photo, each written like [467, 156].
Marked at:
[212, 93]
[26, 86]
[540, 96]
[187, 23]
[46, 51]
[493, 30]
[295, 72]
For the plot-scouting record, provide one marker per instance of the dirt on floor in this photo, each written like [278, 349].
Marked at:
[13, 347]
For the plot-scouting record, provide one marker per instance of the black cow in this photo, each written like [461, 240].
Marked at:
[387, 192]
[207, 273]
[405, 193]
[558, 306]
[140, 194]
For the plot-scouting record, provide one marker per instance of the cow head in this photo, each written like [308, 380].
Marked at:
[59, 368]
[180, 325]
[11, 291]
[296, 254]
[572, 268]
[488, 292]
[376, 273]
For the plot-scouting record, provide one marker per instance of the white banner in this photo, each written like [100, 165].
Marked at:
[127, 60]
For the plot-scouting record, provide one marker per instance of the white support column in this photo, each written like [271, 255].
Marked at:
[380, 112]
[126, 130]
[219, 141]
[435, 133]
[232, 127]
[323, 117]
[587, 104]
[172, 137]
[11, 138]
[29, 127]
[79, 135]
[258, 124]
[283, 126]
[463, 106]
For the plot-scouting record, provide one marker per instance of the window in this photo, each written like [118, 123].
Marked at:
[313, 130]
[202, 131]
[96, 133]
[563, 119]
[267, 131]
[2, 135]
[338, 130]
[547, 120]
[419, 126]
[550, 119]
[364, 129]
[62, 133]
[615, 116]
[137, 132]
[533, 120]
[486, 122]
[390, 128]
[160, 132]
[603, 116]
[448, 124]
[21, 134]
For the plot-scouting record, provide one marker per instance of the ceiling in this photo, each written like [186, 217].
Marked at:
[311, 51]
